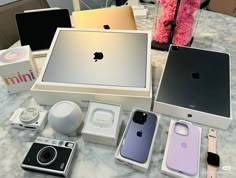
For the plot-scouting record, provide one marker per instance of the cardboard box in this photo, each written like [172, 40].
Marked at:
[136, 165]
[169, 172]
[185, 91]
[102, 123]
[227, 7]
[48, 93]
[18, 69]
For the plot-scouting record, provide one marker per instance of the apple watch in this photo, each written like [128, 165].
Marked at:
[213, 159]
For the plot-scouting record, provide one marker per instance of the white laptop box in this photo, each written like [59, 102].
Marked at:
[106, 65]
[196, 86]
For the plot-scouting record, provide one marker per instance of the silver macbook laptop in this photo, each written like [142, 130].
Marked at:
[98, 57]
[37, 28]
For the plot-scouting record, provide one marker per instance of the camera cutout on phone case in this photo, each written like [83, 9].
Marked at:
[181, 129]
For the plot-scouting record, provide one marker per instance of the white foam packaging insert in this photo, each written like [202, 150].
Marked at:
[102, 123]
[49, 93]
[172, 173]
[136, 165]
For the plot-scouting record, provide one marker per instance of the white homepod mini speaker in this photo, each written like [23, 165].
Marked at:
[65, 117]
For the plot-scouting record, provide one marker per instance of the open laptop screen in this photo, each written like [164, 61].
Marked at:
[121, 2]
[105, 58]
[38, 28]
[119, 18]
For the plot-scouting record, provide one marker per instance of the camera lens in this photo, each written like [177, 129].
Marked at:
[140, 117]
[29, 115]
[47, 155]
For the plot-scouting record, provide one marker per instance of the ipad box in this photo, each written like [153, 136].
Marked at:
[196, 86]
[111, 70]
[143, 167]
[102, 123]
[18, 69]
[165, 169]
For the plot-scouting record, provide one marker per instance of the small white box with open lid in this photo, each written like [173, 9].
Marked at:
[102, 123]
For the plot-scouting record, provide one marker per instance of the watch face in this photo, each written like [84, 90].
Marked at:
[213, 159]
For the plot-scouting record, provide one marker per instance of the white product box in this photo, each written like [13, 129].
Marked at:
[18, 69]
[191, 89]
[136, 165]
[50, 97]
[48, 92]
[102, 123]
[172, 173]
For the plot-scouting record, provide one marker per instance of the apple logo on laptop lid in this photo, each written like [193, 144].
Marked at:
[98, 56]
[107, 27]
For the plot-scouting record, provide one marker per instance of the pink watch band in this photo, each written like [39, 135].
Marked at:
[211, 170]
[212, 140]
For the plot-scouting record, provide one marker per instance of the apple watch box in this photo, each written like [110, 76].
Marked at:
[196, 85]
[116, 68]
[103, 123]
[137, 142]
[181, 149]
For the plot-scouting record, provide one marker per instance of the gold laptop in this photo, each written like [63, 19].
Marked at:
[120, 18]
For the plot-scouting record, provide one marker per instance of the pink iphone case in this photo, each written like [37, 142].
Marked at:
[183, 150]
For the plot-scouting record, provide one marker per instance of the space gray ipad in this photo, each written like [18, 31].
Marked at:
[197, 79]
[103, 58]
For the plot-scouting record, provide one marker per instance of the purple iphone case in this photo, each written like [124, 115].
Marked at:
[183, 150]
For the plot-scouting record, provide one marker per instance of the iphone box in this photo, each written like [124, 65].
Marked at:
[18, 69]
[135, 134]
[102, 123]
[185, 146]
[191, 89]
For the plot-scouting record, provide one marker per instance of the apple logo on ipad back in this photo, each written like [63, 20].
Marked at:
[107, 27]
[196, 75]
[98, 56]
[140, 133]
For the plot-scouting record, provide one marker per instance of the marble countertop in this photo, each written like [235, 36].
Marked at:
[214, 32]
